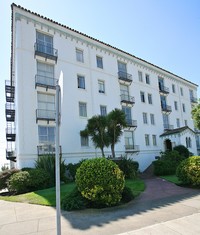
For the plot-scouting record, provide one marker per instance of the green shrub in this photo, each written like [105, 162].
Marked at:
[101, 181]
[72, 168]
[164, 167]
[18, 182]
[39, 179]
[4, 177]
[27, 169]
[189, 171]
[128, 166]
[127, 195]
[47, 163]
[182, 150]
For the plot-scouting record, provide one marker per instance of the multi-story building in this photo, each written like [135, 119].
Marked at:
[97, 78]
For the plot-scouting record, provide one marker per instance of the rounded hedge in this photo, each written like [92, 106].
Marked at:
[101, 181]
[189, 171]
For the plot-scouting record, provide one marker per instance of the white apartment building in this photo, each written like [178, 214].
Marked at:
[96, 78]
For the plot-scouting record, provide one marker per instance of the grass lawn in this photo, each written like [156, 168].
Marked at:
[47, 197]
[171, 178]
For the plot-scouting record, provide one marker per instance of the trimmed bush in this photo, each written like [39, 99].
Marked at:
[128, 166]
[72, 168]
[183, 151]
[127, 195]
[101, 181]
[39, 179]
[189, 171]
[4, 177]
[18, 182]
[47, 163]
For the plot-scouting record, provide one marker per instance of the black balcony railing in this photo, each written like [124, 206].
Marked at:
[193, 100]
[132, 148]
[46, 51]
[44, 81]
[10, 112]
[127, 99]
[10, 155]
[43, 114]
[131, 123]
[125, 77]
[47, 149]
[9, 91]
[168, 127]
[166, 108]
[10, 134]
[163, 89]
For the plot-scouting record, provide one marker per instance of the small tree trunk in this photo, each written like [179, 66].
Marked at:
[102, 152]
[113, 150]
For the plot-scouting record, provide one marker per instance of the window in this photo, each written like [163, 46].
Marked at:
[175, 105]
[152, 119]
[145, 121]
[166, 121]
[183, 105]
[81, 81]
[99, 62]
[181, 90]
[188, 142]
[79, 55]
[147, 140]
[178, 122]
[46, 134]
[122, 67]
[127, 111]
[186, 123]
[82, 109]
[84, 141]
[44, 43]
[46, 102]
[142, 96]
[150, 98]
[147, 78]
[140, 76]
[45, 74]
[101, 86]
[154, 140]
[103, 110]
[173, 88]
[129, 140]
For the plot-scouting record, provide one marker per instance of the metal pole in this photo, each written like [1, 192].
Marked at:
[58, 212]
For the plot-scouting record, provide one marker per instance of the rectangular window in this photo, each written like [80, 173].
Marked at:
[46, 102]
[173, 88]
[99, 62]
[46, 135]
[142, 96]
[44, 43]
[140, 76]
[150, 98]
[101, 86]
[152, 119]
[147, 77]
[81, 81]
[84, 141]
[183, 105]
[103, 110]
[154, 140]
[122, 67]
[147, 140]
[175, 105]
[129, 140]
[127, 111]
[145, 121]
[79, 55]
[82, 109]
[45, 74]
[181, 90]
[178, 122]
[186, 123]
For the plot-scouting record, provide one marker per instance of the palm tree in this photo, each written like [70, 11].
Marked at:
[116, 121]
[97, 129]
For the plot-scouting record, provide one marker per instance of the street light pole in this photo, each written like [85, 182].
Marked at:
[58, 211]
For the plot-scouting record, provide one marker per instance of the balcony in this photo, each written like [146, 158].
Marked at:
[193, 100]
[124, 78]
[47, 82]
[168, 127]
[131, 148]
[43, 114]
[10, 112]
[10, 155]
[46, 51]
[166, 109]
[131, 123]
[9, 91]
[163, 90]
[47, 149]
[127, 100]
[10, 133]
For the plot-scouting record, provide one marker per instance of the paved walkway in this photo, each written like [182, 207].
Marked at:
[163, 208]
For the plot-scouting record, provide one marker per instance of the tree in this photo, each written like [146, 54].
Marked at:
[116, 121]
[97, 129]
[196, 115]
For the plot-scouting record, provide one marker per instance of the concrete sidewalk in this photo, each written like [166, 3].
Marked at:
[163, 208]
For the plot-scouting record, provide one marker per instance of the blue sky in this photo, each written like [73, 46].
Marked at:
[163, 32]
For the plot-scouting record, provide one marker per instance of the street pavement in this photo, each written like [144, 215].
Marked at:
[163, 208]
